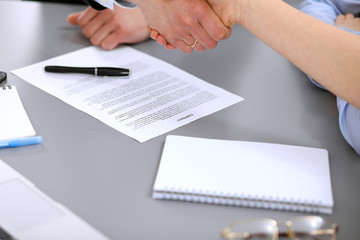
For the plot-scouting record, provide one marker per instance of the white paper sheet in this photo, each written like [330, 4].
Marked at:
[14, 121]
[155, 99]
[27, 213]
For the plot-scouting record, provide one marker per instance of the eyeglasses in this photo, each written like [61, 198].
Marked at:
[300, 228]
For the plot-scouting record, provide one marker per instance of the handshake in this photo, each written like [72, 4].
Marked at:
[326, 49]
[186, 25]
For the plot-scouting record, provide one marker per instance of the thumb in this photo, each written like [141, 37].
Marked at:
[73, 18]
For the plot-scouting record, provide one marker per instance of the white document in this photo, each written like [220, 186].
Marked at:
[14, 121]
[155, 99]
[249, 174]
[26, 213]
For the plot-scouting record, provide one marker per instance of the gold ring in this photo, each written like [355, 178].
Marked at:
[193, 45]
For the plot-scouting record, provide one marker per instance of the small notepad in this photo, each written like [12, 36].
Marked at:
[249, 174]
[14, 121]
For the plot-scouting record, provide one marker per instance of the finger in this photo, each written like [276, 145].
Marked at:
[95, 24]
[73, 18]
[203, 37]
[169, 46]
[182, 46]
[177, 44]
[154, 34]
[340, 16]
[340, 19]
[185, 44]
[349, 16]
[102, 32]
[189, 40]
[86, 16]
[161, 40]
[199, 48]
[174, 42]
[194, 30]
[111, 41]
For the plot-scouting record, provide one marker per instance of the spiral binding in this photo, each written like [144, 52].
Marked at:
[301, 205]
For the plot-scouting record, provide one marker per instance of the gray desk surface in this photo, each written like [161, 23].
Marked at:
[106, 177]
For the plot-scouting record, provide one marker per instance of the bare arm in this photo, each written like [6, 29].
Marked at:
[326, 53]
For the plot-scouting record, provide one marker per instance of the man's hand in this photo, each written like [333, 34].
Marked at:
[109, 28]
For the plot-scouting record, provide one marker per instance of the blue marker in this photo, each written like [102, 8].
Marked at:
[20, 142]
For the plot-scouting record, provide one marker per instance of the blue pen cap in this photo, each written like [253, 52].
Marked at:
[25, 141]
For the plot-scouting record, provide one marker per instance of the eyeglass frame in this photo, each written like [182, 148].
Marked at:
[227, 232]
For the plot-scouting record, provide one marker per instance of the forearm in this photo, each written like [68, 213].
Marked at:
[327, 54]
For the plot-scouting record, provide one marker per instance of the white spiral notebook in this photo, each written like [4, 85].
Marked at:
[14, 121]
[248, 174]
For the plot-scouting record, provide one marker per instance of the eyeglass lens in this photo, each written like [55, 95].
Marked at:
[311, 228]
[301, 228]
[256, 229]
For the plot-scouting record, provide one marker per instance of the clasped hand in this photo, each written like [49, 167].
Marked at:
[183, 24]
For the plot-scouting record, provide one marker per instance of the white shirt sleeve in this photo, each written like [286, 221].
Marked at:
[349, 121]
[125, 4]
[110, 4]
[324, 10]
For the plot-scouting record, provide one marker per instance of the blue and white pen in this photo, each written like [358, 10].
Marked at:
[20, 142]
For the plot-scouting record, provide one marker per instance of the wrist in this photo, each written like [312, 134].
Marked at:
[228, 10]
[239, 11]
[243, 8]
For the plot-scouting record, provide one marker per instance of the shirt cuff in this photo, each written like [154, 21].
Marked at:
[125, 4]
[316, 83]
[349, 30]
[349, 121]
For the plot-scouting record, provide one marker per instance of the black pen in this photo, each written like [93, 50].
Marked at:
[2, 76]
[97, 71]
